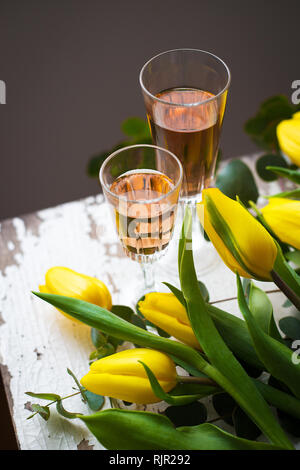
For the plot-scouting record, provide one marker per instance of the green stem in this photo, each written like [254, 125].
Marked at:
[195, 380]
[286, 279]
[285, 288]
[279, 399]
[55, 401]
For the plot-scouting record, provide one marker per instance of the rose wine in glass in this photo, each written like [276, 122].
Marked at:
[191, 133]
[143, 228]
[141, 184]
[185, 92]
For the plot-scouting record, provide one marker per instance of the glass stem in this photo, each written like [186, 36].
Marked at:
[148, 273]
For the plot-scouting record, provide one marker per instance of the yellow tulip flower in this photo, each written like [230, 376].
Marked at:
[283, 216]
[242, 242]
[288, 134]
[122, 376]
[165, 311]
[60, 280]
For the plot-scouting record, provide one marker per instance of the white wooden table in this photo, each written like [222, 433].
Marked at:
[37, 343]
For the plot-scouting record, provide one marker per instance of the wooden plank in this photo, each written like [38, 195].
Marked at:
[37, 342]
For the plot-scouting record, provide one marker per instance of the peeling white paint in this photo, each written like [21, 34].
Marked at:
[65, 237]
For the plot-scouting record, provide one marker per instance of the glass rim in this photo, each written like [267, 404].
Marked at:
[146, 201]
[186, 105]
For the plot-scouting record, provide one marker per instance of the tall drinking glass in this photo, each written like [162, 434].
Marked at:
[141, 184]
[185, 93]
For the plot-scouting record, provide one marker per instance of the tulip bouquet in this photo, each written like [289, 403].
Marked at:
[224, 357]
[247, 367]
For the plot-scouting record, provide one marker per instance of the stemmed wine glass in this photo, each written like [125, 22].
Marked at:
[141, 184]
[185, 93]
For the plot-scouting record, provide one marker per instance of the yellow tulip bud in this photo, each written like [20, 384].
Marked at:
[288, 134]
[242, 242]
[283, 216]
[165, 311]
[122, 376]
[65, 281]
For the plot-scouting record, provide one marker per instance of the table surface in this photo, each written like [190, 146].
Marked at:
[37, 342]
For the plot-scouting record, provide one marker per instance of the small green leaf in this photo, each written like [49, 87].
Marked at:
[135, 127]
[43, 411]
[243, 425]
[290, 327]
[267, 160]
[105, 350]
[122, 311]
[236, 179]
[262, 127]
[187, 415]
[292, 175]
[95, 402]
[95, 163]
[98, 338]
[44, 396]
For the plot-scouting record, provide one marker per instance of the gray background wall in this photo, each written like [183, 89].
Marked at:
[71, 69]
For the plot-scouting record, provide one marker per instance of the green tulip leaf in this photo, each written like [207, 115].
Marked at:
[274, 354]
[279, 396]
[294, 194]
[43, 411]
[119, 430]
[243, 426]
[187, 415]
[293, 175]
[290, 326]
[236, 179]
[158, 391]
[262, 311]
[266, 160]
[223, 368]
